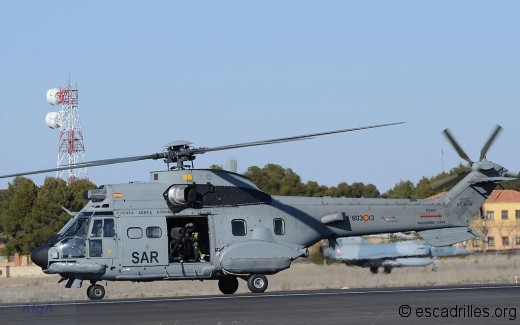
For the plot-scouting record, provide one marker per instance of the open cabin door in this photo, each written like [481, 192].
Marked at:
[189, 239]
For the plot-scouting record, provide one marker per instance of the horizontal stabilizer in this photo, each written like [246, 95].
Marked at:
[448, 236]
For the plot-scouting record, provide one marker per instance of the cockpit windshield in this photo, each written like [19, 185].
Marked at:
[79, 221]
[78, 228]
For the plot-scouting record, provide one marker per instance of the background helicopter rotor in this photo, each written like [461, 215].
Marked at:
[179, 151]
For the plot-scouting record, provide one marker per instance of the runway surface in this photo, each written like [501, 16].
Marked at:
[424, 305]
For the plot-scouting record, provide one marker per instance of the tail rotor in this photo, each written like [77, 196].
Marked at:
[488, 168]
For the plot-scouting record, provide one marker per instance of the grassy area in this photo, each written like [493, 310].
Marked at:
[473, 269]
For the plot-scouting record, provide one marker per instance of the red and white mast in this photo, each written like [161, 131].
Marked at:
[71, 148]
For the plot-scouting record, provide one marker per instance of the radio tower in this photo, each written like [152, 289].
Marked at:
[71, 148]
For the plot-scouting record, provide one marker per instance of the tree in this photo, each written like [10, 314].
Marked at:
[4, 204]
[276, 180]
[30, 215]
[403, 189]
[370, 191]
[291, 184]
[357, 189]
[15, 211]
[75, 199]
[47, 215]
[511, 185]
[423, 189]
[312, 188]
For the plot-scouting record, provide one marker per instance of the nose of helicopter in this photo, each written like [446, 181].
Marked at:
[40, 256]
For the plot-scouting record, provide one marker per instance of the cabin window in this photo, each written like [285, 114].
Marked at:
[279, 226]
[134, 233]
[153, 232]
[505, 215]
[238, 227]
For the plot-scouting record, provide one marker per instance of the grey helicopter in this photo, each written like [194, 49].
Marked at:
[204, 224]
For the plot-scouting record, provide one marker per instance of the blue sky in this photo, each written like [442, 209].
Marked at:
[224, 72]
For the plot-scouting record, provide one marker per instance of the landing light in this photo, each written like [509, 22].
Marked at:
[53, 253]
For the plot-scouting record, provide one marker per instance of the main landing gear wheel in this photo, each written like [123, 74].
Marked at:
[228, 285]
[96, 292]
[257, 283]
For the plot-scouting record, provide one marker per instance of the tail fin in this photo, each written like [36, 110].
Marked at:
[466, 198]
[463, 202]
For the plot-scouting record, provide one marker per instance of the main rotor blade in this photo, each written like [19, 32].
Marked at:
[188, 151]
[455, 145]
[490, 141]
[89, 164]
[285, 139]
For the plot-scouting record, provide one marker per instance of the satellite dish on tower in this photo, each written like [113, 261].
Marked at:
[54, 96]
[53, 120]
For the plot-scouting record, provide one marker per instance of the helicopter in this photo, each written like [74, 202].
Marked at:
[206, 224]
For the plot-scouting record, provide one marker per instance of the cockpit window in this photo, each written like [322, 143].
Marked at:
[97, 229]
[73, 248]
[109, 228]
[67, 226]
[103, 228]
[78, 228]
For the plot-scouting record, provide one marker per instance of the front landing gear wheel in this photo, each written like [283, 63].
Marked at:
[228, 285]
[96, 292]
[257, 283]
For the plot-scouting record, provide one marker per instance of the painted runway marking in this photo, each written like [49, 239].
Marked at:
[274, 295]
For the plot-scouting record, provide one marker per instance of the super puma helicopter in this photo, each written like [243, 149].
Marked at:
[211, 224]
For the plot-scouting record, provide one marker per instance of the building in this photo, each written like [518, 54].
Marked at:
[499, 221]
